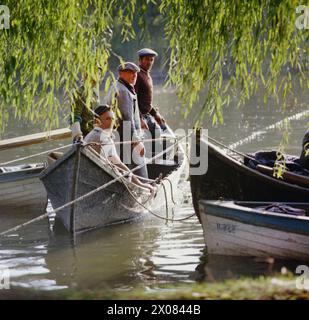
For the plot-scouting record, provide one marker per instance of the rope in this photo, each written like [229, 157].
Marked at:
[233, 150]
[85, 144]
[232, 146]
[113, 166]
[130, 191]
[131, 141]
[230, 149]
[296, 116]
[93, 191]
[35, 155]
[158, 216]
[117, 169]
[166, 205]
[45, 215]
[172, 191]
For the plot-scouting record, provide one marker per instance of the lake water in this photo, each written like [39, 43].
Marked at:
[150, 252]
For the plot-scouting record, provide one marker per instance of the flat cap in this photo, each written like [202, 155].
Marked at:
[128, 66]
[101, 109]
[146, 52]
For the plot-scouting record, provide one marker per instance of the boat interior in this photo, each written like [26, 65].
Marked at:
[159, 167]
[265, 161]
[163, 167]
[292, 208]
[23, 167]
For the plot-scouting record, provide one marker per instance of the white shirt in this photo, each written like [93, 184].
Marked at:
[104, 137]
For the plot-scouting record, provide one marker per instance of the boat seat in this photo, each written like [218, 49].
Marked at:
[282, 208]
[53, 156]
[165, 162]
[161, 166]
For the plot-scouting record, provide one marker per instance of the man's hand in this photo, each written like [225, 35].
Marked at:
[79, 138]
[159, 118]
[139, 148]
[76, 132]
[144, 124]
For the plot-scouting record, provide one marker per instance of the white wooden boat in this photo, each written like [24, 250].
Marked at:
[240, 229]
[21, 191]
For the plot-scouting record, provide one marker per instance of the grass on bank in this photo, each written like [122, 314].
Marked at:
[280, 287]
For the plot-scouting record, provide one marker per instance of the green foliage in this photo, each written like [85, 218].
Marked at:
[275, 287]
[251, 43]
[280, 164]
[50, 45]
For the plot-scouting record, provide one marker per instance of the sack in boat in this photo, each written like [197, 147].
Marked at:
[283, 208]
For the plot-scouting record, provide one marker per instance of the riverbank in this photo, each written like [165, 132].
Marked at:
[279, 287]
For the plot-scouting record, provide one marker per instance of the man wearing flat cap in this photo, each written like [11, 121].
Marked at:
[150, 117]
[130, 125]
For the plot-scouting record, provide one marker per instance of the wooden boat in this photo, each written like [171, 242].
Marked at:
[78, 172]
[21, 191]
[229, 178]
[244, 229]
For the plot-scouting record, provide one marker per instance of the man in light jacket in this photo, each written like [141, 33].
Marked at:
[130, 125]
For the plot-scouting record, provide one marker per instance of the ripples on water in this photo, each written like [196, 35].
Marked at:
[146, 252]
[149, 252]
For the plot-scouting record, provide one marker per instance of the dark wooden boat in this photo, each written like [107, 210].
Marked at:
[229, 178]
[21, 191]
[250, 229]
[80, 171]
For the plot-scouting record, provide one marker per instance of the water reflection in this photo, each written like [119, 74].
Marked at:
[147, 252]
[214, 268]
[110, 257]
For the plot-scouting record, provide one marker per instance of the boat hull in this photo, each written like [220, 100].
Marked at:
[229, 179]
[234, 230]
[22, 192]
[111, 205]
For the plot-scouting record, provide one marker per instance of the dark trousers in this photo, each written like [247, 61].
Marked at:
[304, 159]
[153, 126]
[126, 155]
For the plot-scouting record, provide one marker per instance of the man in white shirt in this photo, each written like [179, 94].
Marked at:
[103, 135]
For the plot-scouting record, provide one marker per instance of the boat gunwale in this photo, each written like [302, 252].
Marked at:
[97, 161]
[23, 174]
[226, 158]
[100, 163]
[251, 213]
